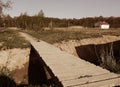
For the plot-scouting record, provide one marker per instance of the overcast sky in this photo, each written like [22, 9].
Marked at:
[66, 8]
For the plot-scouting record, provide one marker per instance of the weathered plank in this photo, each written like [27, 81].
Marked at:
[70, 70]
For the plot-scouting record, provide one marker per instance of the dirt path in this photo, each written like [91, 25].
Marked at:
[22, 34]
[27, 37]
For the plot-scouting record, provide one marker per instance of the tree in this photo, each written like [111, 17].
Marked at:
[4, 5]
[41, 13]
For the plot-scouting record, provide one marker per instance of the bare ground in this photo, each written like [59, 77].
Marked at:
[27, 37]
[69, 46]
[14, 58]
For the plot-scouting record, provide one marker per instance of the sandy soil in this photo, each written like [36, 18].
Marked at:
[69, 46]
[27, 37]
[17, 60]
[14, 58]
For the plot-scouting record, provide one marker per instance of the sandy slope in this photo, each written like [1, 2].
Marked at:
[70, 45]
[14, 58]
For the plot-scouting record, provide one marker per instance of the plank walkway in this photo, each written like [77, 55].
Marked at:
[73, 71]
[70, 70]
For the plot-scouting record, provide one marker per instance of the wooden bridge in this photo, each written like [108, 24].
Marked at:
[50, 65]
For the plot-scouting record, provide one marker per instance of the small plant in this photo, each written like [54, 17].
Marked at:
[6, 79]
[5, 71]
[108, 60]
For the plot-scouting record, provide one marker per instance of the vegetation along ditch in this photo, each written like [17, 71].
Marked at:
[102, 51]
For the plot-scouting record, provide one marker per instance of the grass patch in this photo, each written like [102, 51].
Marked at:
[53, 36]
[11, 39]
[58, 36]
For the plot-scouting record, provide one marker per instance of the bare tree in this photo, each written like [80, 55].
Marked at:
[4, 5]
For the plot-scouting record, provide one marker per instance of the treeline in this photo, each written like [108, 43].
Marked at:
[38, 22]
[89, 22]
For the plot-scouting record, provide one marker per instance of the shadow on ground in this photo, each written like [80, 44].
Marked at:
[35, 73]
[38, 71]
[101, 53]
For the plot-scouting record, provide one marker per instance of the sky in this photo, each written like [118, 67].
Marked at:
[66, 8]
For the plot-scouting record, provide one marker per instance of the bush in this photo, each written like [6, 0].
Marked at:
[108, 60]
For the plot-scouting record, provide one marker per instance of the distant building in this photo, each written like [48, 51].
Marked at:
[102, 25]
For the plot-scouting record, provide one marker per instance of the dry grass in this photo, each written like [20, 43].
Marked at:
[10, 39]
[53, 36]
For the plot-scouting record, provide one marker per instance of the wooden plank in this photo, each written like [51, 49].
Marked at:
[69, 68]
